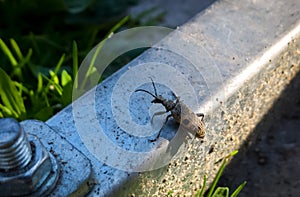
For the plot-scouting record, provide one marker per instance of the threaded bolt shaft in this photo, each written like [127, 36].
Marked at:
[15, 150]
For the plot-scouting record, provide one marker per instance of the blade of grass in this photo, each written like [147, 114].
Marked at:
[90, 68]
[21, 88]
[93, 37]
[34, 43]
[16, 69]
[8, 53]
[221, 192]
[65, 78]
[46, 99]
[75, 63]
[232, 153]
[16, 48]
[6, 112]
[44, 113]
[10, 96]
[97, 51]
[214, 184]
[239, 189]
[1, 114]
[53, 83]
[25, 60]
[54, 79]
[58, 65]
[40, 83]
[200, 193]
[117, 26]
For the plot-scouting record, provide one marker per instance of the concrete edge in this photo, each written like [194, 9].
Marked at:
[254, 72]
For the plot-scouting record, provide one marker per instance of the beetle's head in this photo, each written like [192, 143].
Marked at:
[158, 99]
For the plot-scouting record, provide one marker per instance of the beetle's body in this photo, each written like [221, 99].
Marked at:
[181, 113]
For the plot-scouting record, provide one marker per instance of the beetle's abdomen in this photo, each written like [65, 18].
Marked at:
[188, 119]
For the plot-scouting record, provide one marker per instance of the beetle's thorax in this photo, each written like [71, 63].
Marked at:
[168, 104]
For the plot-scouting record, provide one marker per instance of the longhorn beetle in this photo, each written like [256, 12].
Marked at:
[180, 112]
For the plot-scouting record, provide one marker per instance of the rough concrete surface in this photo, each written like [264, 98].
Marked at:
[237, 120]
[271, 162]
[255, 62]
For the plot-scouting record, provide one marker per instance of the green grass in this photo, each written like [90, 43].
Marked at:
[42, 90]
[26, 85]
[215, 191]
[42, 44]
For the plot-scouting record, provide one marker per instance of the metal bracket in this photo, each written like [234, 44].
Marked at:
[76, 172]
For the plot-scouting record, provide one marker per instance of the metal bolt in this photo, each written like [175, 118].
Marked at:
[15, 150]
[26, 167]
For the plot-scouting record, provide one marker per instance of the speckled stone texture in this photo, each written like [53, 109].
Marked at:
[254, 45]
[232, 124]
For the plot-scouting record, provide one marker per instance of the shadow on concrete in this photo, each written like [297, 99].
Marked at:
[270, 160]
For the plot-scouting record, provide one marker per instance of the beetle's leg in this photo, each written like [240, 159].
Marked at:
[157, 114]
[177, 100]
[161, 129]
[200, 115]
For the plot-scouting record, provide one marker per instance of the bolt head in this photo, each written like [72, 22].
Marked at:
[32, 177]
[10, 130]
[15, 151]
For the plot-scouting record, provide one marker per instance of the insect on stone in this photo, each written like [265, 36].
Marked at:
[180, 112]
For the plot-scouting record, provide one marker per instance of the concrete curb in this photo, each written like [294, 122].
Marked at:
[246, 53]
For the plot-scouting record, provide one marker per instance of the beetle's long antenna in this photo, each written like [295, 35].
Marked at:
[154, 87]
[141, 90]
